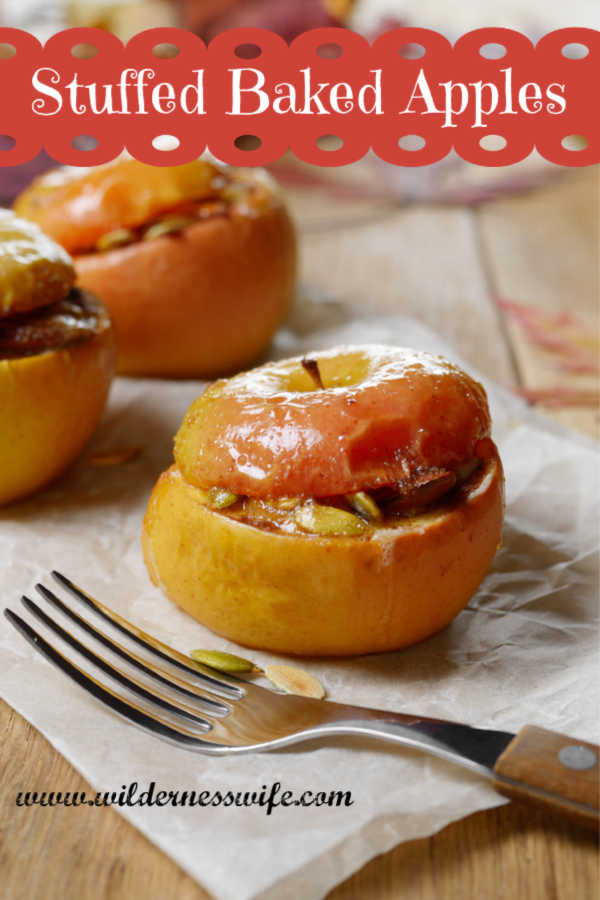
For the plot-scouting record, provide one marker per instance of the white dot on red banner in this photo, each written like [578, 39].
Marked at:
[165, 51]
[411, 142]
[575, 51]
[493, 142]
[492, 51]
[84, 51]
[248, 142]
[166, 142]
[84, 142]
[412, 51]
[330, 51]
[247, 51]
[329, 142]
[575, 142]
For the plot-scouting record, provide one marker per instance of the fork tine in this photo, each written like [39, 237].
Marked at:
[225, 687]
[132, 683]
[172, 681]
[154, 724]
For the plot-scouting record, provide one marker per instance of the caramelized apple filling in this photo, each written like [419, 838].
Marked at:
[69, 321]
[229, 194]
[351, 514]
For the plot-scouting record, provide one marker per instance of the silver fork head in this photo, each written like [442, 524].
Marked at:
[219, 713]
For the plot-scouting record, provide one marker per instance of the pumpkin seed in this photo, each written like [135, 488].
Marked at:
[295, 681]
[221, 498]
[223, 662]
[364, 506]
[328, 520]
[120, 237]
[287, 502]
[168, 225]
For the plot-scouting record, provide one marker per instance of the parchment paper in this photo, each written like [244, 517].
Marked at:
[524, 650]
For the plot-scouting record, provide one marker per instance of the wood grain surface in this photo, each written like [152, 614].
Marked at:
[504, 276]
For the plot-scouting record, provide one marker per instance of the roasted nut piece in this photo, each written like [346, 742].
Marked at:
[34, 271]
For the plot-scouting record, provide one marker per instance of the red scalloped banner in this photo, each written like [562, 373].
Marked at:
[410, 96]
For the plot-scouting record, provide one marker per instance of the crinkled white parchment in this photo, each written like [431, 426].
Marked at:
[525, 650]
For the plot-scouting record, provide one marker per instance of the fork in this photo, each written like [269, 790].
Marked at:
[207, 711]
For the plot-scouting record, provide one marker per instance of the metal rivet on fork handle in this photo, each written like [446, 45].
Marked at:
[577, 757]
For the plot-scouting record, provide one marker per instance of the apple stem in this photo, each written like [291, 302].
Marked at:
[311, 366]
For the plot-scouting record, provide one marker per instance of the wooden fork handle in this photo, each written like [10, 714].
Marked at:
[551, 769]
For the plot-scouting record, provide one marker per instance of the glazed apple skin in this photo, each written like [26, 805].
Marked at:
[76, 206]
[202, 303]
[51, 404]
[308, 595]
[34, 270]
[385, 415]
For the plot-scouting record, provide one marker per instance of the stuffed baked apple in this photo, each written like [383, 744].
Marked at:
[196, 263]
[56, 359]
[346, 503]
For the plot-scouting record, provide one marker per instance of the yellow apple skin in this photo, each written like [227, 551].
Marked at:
[51, 403]
[309, 595]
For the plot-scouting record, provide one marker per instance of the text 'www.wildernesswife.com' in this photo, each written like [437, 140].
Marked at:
[268, 797]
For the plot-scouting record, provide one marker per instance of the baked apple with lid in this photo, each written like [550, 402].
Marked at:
[346, 503]
[56, 359]
[196, 263]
